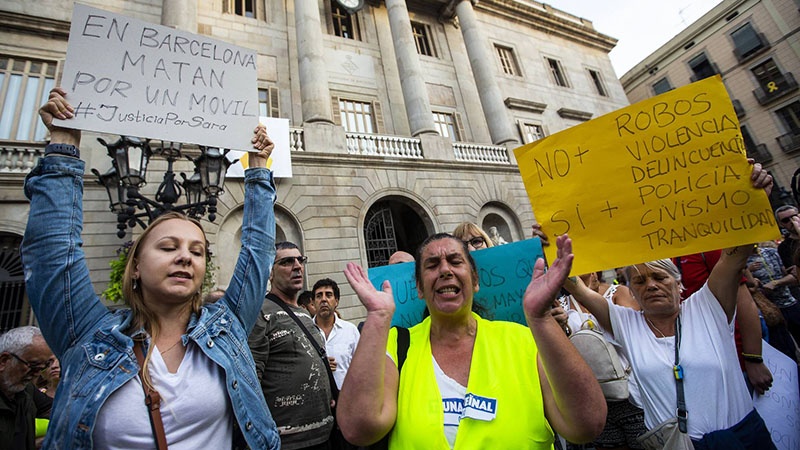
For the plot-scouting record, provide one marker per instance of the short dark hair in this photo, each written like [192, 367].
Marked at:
[286, 245]
[326, 282]
[305, 298]
[436, 237]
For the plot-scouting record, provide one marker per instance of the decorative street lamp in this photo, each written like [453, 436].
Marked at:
[130, 157]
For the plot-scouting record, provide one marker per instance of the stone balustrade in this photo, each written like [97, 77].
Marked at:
[380, 145]
[493, 154]
[19, 157]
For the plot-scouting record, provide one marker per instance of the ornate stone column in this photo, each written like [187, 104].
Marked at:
[314, 93]
[481, 59]
[415, 93]
[179, 14]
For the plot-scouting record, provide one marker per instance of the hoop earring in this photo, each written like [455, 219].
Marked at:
[135, 284]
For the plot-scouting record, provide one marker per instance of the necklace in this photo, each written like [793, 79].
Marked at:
[173, 346]
[654, 326]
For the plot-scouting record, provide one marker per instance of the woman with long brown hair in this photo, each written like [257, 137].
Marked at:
[195, 356]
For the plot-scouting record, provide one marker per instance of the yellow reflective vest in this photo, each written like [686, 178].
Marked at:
[504, 408]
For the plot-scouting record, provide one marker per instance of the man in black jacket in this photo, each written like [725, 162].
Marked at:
[23, 355]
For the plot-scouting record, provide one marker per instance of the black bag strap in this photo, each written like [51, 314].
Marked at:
[677, 370]
[403, 342]
[321, 350]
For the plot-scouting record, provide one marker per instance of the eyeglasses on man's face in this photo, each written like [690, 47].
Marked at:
[476, 242]
[289, 260]
[33, 367]
[788, 219]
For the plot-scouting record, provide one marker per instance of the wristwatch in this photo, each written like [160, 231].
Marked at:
[62, 149]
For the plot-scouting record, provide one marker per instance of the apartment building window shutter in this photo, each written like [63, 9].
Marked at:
[378, 112]
[461, 134]
[337, 115]
[274, 102]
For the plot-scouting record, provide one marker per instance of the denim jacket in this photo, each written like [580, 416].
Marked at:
[94, 345]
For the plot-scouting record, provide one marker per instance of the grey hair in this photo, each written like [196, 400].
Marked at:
[660, 264]
[783, 208]
[16, 340]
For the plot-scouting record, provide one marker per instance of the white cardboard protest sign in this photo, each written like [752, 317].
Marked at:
[780, 405]
[280, 162]
[129, 77]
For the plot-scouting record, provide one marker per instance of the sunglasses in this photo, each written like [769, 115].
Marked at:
[788, 219]
[33, 368]
[476, 242]
[289, 260]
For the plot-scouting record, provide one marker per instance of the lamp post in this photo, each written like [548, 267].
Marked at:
[130, 157]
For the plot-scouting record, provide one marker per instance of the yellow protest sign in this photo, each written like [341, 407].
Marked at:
[665, 177]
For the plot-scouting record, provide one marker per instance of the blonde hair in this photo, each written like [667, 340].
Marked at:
[468, 228]
[143, 317]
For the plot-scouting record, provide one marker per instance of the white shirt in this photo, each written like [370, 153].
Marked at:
[341, 344]
[714, 388]
[195, 407]
[453, 395]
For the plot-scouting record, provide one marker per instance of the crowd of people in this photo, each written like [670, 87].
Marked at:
[234, 369]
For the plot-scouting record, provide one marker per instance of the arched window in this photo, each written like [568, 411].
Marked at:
[14, 308]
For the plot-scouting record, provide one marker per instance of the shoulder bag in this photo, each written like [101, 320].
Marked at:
[671, 433]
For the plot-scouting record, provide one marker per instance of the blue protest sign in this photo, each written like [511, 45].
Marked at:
[504, 272]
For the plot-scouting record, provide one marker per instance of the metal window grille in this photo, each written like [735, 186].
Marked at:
[379, 236]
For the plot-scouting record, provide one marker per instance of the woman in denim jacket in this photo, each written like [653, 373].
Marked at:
[196, 355]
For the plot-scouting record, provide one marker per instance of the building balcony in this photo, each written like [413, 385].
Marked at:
[21, 157]
[775, 89]
[761, 154]
[790, 142]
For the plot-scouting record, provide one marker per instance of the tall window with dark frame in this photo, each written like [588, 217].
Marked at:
[746, 41]
[661, 86]
[508, 60]
[244, 8]
[557, 72]
[790, 116]
[766, 73]
[24, 85]
[344, 24]
[701, 67]
[422, 39]
[598, 82]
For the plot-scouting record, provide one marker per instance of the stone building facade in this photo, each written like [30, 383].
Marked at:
[404, 115]
[755, 46]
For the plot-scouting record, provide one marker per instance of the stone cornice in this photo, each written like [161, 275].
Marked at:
[525, 105]
[549, 20]
[40, 26]
[574, 114]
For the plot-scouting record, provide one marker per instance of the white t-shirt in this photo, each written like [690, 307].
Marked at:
[715, 391]
[195, 408]
[341, 344]
[453, 395]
